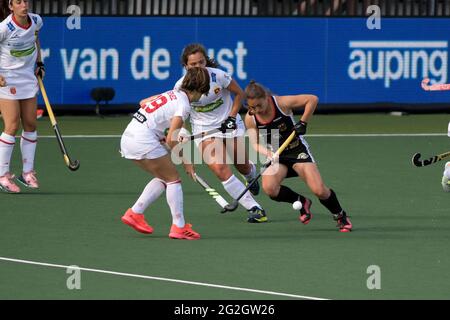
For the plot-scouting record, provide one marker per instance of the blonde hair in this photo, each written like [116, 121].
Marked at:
[255, 90]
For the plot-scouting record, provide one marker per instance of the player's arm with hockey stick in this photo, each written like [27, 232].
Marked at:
[40, 67]
[287, 104]
[305, 102]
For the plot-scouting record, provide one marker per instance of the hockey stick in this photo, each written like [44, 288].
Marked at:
[434, 87]
[72, 165]
[201, 134]
[235, 203]
[421, 163]
[212, 192]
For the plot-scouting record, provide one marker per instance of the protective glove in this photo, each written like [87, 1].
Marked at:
[40, 69]
[300, 127]
[228, 124]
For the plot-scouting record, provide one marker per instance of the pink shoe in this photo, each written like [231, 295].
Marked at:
[343, 222]
[29, 180]
[305, 212]
[183, 233]
[39, 113]
[7, 183]
[137, 222]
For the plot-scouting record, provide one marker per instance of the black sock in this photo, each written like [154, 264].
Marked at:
[332, 203]
[287, 195]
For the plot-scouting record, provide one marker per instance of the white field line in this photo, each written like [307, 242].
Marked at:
[328, 135]
[130, 275]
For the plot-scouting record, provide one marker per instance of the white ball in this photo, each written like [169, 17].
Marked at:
[297, 205]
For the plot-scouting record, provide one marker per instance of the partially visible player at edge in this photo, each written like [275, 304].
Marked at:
[20, 63]
[218, 110]
[267, 112]
[446, 175]
[141, 142]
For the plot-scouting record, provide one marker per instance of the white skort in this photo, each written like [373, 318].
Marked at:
[239, 132]
[139, 142]
[20, 85]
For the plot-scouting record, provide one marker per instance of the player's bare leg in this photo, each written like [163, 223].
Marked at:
[214, 153]
[28, 142]
[272, 185]
[166, 177]
[311, 175]
[10, 110]
[238, 152]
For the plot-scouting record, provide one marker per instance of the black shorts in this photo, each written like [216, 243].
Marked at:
[300, 154]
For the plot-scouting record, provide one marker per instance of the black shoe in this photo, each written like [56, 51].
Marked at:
[256, 215]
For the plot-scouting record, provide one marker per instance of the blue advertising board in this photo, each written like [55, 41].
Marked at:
[339, 60]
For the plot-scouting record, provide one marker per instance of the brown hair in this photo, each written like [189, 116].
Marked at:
[4, 9]
[194, 48]
[196, 79]
[255, 90]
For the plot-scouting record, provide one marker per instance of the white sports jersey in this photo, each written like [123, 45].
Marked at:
[212, 109]
[18, 53]
[157, 113]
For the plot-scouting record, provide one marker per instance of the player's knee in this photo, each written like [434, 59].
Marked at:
[321, 191]
[271, 190]
[29, 127]
[11, 128]
[223, 172]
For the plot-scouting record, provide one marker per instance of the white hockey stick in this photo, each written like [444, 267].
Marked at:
[212, 192]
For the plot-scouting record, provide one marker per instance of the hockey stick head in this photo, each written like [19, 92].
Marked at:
[416, 161]
[74, 165]
[230, 207]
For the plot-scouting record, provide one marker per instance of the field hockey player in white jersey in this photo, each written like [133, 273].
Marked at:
[142, 143]
[218, 110]
[20, 63]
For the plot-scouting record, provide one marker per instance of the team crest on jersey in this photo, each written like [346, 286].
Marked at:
[34, 19]
[11, 26]
[303, 156]
[12, 90]
[216, 90]
[282, 127]
[213, 77]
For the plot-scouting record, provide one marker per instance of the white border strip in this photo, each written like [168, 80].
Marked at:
[162, 279]
[399, 44]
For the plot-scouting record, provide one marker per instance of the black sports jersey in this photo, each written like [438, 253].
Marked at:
[279, 128]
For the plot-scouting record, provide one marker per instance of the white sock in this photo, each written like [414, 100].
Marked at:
[235, 187]
[6, 149]
[252, 173]
[151, 192]
[174, 194]
[28, 143]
